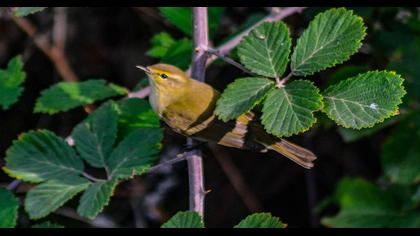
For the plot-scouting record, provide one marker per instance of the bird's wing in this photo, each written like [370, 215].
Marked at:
[232, 133]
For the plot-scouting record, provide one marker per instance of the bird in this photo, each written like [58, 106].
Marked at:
[187, 106]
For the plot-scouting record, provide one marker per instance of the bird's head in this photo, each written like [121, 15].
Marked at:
[164, 76]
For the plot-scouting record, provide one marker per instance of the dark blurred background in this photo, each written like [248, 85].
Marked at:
[109, 42]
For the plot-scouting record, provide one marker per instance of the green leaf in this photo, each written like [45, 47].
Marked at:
[49, 196]
[241, 96]
[47, 224]
[364, 100]
[265, 51]
[8, 209]
[331, 38]
[11, 80]
[289, 110]
[64, 96]
[181, 17]
[40, 155]
[135, 113]
[401, 152]
[185, 219]
[160, 45]
[135, 154]
[95, 198]
[179, 54]
[363, 204]
[261, 220]
[24, 11]
[94, 138]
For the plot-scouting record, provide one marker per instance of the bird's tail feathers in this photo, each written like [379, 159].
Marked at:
[299, 155]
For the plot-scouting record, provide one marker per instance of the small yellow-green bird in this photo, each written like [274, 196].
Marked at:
[187, 106]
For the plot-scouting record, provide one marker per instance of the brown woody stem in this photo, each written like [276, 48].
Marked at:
[195, 161]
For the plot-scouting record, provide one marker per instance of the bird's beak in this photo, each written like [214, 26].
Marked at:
[145, 69]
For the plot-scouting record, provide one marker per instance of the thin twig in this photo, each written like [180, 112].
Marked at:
[228, 60]
[55, 52]
[198, 68]
[180, 157]
[142, 93]
[14, 184]
[94, 179]
[52, 52]
[275, 15]
[60, 28]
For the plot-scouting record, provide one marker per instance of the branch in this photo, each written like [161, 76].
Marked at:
[195, 162]
[228, 60]
[142, 93]
[90, 177]
[14, 184]
[54, 53]
[178, 158]
[275, 15]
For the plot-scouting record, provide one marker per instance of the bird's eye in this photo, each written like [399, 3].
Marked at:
[163, 76]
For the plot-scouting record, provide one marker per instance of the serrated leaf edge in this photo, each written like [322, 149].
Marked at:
[49, 112]
[10, 173]
[264, 214]
[106, 203]
[395, 108]
[359, 42]
[321, 106]
[187, 212]
[219, 101]
[58, 207]
[249, 35]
